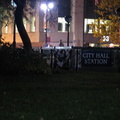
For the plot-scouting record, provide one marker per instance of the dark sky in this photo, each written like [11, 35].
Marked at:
[89, 8]
[63, 8]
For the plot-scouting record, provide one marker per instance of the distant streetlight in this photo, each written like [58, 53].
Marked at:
[68, 19]
[46, 7]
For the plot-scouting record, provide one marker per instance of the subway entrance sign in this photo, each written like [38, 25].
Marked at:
[94, 57]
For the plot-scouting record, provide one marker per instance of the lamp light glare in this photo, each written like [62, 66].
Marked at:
[43, 7]
[46, 7]
[50, 5]
[111, 45]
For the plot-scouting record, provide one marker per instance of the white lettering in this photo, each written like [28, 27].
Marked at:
[88, 55]
[96, 61]
[102, 55]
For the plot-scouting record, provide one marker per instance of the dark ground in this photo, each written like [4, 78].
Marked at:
[83, 95]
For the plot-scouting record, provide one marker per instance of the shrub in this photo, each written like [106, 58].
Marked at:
[18, 60]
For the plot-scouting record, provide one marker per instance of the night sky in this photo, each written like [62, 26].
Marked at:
[63, 8]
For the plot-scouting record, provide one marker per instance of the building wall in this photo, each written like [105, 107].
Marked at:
[89, 16]
[38, 37]
[78, 22]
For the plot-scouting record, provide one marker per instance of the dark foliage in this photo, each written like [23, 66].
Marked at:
[19, 61]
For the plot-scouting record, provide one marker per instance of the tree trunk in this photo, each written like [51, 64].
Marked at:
[21, 29]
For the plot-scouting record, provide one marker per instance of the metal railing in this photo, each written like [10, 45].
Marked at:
[81, 57]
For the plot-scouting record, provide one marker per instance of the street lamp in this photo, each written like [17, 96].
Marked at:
[68, 19]
[46, 7]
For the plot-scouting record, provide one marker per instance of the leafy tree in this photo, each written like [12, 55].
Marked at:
[108, 22]
[5, 14]
[23, 7]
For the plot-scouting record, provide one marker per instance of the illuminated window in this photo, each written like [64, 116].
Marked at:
[62, 24]
[24, 22]
[87, 27]
[32, 24]
[103, 26]
[16, 29]
[6, 27]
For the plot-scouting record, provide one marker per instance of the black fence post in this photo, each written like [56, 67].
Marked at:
[51, 57]
[76, 59]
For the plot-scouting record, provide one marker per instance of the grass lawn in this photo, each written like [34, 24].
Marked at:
[82, 95]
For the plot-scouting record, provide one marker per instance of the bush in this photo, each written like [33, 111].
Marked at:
[15, 61]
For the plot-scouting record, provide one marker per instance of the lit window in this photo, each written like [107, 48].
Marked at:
[89, 29]
[62, 24]
[6, 27]
[16, 29]
[32, 24]
[24, 22]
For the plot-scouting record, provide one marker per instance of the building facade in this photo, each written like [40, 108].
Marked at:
[80, 34]
[89, 17]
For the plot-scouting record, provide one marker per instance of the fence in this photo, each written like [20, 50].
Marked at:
[78, 57]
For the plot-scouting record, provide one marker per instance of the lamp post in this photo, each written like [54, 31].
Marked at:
[46, 7]
[68, 19]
